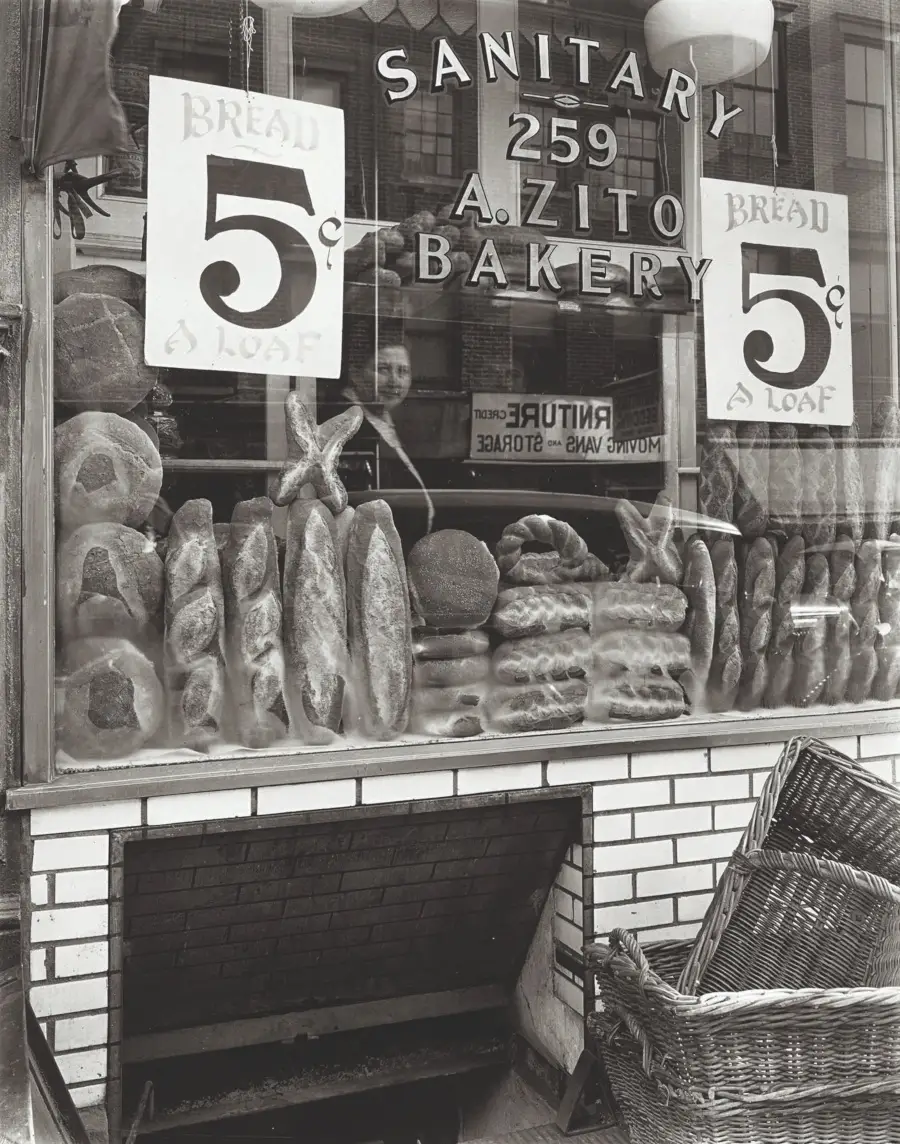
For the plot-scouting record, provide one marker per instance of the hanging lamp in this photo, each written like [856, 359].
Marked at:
[717, 40]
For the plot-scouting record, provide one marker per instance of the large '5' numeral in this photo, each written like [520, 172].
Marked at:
[758, 345]
[265, 181]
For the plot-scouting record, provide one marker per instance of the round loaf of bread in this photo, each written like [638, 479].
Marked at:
[98, 278]
[110, 701]
[99, 354]
[107, 469]
[453, 580]
[109, 582]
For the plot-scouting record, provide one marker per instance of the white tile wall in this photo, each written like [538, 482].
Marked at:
[402, 788]
[305, 796]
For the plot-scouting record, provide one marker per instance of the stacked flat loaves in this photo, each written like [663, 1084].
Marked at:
[108, 476]
[806, 595]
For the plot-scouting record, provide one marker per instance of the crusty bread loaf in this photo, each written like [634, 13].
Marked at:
[101, 278]
[343, 522]
[755, 608]
[751, 494]
[444, 699]
[851, 497]
[453, 580]
[725, 672]
[106, 470]
[98, 360]
[653, 553]
[838, 654]
[253, 616]
[718, 472]
[471, 669]
[785, 481]
[429, 644]
[194, 656]
[639, 652]
[379, 623]
[699, 587]
[634, 696]
[790, 573]
[109, 582]
[887, 681]
[866, 620]
[537, 706]
[883, 461]
[542, 610]
[110, 701]
[315, 619]
[623, 604]
[819, 489]
[809, 657]
[563, 655]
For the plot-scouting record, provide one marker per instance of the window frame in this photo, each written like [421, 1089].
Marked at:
[867, 45]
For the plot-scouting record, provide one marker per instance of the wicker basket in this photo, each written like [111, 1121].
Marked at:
[801, 1045]
[778, 921]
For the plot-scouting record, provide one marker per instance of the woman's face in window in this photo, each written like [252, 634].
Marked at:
[387, 378]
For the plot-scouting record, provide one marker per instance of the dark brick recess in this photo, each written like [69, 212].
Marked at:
[262, 921]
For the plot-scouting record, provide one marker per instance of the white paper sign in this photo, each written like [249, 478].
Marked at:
[776, 304]
[245, 229]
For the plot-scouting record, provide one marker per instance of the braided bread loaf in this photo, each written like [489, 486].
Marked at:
[838, 654]
[809, 656]
[718, 471]
[564, 655]
[757, 598]
[866, 618]
[542, 610]
[790, 572]
[699, 587]
[623, 604]
[622, 651]
[751, 495]
[570, 560]
[819, 489]
[537, 706]
[887, 680]
[654, 556]
[253, 615]
[635, 697]
[725, 672]
[194, 654]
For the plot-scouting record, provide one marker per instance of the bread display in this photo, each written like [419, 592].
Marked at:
[449, 645]
[636, 697]
[727, 664]
[632, 651]
[194, 656]
[654, 556]
[106, 470]
[313, 454]
[537, 707]
[99, 278]
[622, 604]
[851, 496]
[809, 655]
[563, 655]
[426, 700]
[253, 619]
[542, 610]
[838, 652]
[699, 588]
[109, 582]
[98, 354]
[452, 672]
[447, 725]
[109, 699]
[882, 469]
[790, 573]
[866, 620]
[379, 623]
[751, 494]
[569, 560]
[315, 618]
[887, 680]
[453, 580]
[719, 463]
[819, 490]
[755, 608]
[785, 481]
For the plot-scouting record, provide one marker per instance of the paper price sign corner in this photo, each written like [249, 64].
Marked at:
[245, 229]
[777, 335]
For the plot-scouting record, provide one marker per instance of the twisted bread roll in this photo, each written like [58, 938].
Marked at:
[790, 572]
[635, 696]
[751, 495]
[651, 544]
[565, 655]
[700, 626]
[866, 618]
[640, 652]
[820, 489]
[785, 481]
[809, 656]
[195, 628]
[537, 706]
[887, 680]
[757, 598]
[542, 610]
[850, 492]
[725, 672]
[315, 618]
[718, 471]
[622, 604]
[255, 652]
[838, 655]
[450, 645]
[570, 560]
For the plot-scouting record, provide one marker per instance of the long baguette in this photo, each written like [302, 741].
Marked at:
[866, 620]
[718, 472]
[699, 587]
[838, 651]
[887, 681]
[790, 572]
[757, 598]
[725, 673]
[751, 496]
[820, 489]
[851, 497]
[882, 468]
[809, 658]
[785, 481]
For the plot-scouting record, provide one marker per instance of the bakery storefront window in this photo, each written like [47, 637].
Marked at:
[455, 369]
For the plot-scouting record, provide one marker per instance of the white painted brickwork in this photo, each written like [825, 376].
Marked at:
[664, 826]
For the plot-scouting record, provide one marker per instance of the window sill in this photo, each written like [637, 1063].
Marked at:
[258, 770]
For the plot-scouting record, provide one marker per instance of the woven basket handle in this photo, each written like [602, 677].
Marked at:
[829, 871]
[624, 941]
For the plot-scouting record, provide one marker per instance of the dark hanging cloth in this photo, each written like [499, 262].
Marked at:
[77, 115]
